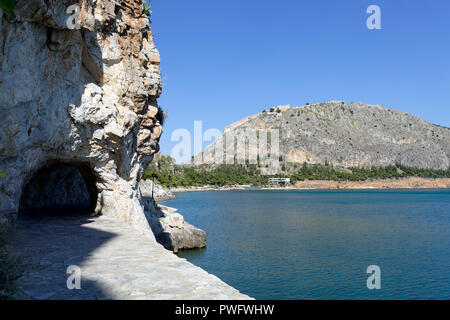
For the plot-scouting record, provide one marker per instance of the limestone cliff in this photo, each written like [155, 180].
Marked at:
[348, 135]
[83, 96]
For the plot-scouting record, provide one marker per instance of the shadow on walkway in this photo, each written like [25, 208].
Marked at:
[49, 244]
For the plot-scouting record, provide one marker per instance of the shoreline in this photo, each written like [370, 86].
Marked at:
[390, 184]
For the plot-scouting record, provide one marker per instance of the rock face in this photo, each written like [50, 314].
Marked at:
[348, 135]
[83, 97]
[170, 228]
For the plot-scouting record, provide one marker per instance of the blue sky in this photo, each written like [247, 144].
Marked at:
[225, 60]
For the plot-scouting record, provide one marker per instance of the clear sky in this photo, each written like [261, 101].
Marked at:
[225, 60]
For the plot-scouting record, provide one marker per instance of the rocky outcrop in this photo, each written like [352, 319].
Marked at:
[155, 191]
[347, 135]
[170, 228]
[83, 96]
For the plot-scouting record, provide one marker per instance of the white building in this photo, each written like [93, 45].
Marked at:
[278, 181]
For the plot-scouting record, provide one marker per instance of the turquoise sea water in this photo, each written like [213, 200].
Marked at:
[318, 244]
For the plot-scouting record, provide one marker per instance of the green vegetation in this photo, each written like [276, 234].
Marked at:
[2, 173]
[224, 175]
[321, 172]
[148, 12]
[147, 9]
[9, 6]
[166, 173]
[161, 116]
[10, 267]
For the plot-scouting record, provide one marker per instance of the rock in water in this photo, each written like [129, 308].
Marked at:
[170, 228]
[85, 97]
[155, 191]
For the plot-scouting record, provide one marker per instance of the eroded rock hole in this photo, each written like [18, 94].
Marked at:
[60, 189]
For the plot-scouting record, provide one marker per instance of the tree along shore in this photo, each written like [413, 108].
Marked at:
[170, 175]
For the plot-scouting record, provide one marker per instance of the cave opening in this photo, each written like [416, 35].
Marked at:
[60, 188]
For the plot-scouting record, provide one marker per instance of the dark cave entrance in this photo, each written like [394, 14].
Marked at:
[60, 189]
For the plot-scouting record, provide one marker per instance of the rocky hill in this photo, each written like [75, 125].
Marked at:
[349, 135]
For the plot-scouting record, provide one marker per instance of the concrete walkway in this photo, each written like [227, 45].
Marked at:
[115, 263]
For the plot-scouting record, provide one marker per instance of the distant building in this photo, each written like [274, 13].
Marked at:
[283, 107]
[278, 181]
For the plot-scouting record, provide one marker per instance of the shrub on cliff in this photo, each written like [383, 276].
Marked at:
[10, 267]
[161, 116]
[9, 6]
[147, 9]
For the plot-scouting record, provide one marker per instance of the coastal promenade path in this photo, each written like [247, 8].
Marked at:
[115, 263]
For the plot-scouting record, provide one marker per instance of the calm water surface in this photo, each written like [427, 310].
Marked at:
[318, 244]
